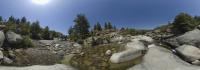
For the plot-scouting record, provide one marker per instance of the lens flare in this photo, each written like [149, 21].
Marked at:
[40, 2]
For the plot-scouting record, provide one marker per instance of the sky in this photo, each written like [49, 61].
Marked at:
[140, 14]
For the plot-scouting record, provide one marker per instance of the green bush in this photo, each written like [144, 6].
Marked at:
[183, 23]
[26, 43]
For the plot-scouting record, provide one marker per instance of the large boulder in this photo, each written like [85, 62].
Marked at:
[191, 53]
[158, 58]
[125, 56]
[133, 50]
[13, 38]
[2, 38]
[191, 38]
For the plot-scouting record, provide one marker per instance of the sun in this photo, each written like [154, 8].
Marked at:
[40, 2]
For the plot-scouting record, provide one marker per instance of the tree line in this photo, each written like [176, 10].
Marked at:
[26, 28]
[81, 29]
[183, 22]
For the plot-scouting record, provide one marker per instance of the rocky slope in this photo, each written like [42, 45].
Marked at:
[111, 51]
[46, 52]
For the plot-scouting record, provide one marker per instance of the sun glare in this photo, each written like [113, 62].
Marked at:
[40, 2]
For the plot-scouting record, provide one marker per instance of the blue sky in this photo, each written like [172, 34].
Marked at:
[59, 14]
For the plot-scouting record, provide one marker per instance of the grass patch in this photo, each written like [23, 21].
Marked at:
[94, 58]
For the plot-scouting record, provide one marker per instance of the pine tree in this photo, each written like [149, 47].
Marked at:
[80, 30]
[105, 25]
[70, 31]
[18, 21]
[46, 33]
[11, 19]
[95, 27]
[110, 25]
[36, 30]
[10, 25]
[98, 26]
[23, 20]
[183, 23]
[25, 28]
[1, 20]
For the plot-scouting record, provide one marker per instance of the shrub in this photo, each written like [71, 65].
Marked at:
[26, 43]
[183, 23]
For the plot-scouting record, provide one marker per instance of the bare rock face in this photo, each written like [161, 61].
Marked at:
[133, 50]
[191, 53]
[190, 38]
[2, 38]
[13, 38]
[158, 58]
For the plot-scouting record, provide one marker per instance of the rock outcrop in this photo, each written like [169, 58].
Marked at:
[158, 58]
[134, 49]
[191, 38]
[191, 53]
[13, 38]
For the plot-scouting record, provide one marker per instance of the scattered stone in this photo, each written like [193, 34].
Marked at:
[7, 60]
[143, 38]
[117, 38]
[77, 45]
[108, 52]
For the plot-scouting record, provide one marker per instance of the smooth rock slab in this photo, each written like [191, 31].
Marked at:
[38, 67]
[158, 58]
[125, 56]
[133, 50]
[191, 53]
[191, 38]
